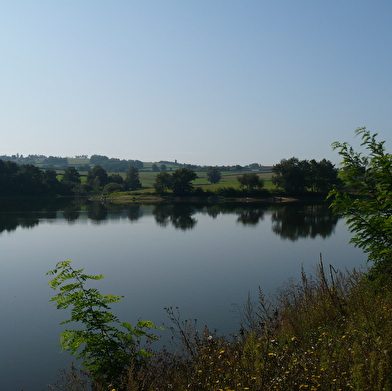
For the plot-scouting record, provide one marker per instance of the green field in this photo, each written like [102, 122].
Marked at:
[229, 179]
[147, 177]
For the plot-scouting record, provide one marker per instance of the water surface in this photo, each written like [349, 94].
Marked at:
[201, 258]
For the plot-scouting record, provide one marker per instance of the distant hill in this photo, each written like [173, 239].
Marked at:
[84, 163]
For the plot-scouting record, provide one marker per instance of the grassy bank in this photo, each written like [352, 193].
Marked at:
[330, 331]
[320, 334]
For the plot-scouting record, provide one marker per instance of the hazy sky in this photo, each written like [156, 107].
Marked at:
[203, 81]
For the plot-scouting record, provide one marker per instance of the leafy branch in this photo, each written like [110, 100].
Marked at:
[107, 346]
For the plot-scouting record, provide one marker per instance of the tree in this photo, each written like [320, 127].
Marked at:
[112, 187]
[132, 180]
[97, 177]
[50, 181]
[70, 181]
[116, 178]
[108, 347]
[70, 176]
[31, 179]
[162, 182]
[155, 168]
[322, 176]
[290, 175]
[163, 167]
[369, 214]
[181, 181]
[250, 180]
[98, 159]
[214, 175]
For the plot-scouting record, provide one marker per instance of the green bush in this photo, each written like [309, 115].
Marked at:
[107, 347]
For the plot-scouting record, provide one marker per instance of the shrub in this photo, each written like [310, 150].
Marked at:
[108, 347]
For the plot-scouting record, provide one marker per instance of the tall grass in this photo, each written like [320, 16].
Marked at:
[329, 331]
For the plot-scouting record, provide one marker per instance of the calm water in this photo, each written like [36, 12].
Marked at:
[202, 259]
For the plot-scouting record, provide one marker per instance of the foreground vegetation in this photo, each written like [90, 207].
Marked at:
[329, 331]
[323, 333]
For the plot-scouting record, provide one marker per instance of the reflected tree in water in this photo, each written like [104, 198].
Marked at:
[71, 214]
[180, 216]
[212, 211]
[96, 211]
[250, 216]
[293, 221]
[134, 212]
[162, 214]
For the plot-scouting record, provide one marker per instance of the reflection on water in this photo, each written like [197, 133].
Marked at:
[290, 221]
[300, 221]
[199, 257]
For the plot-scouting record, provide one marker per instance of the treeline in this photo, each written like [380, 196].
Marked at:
[297, 176]
[27, 179]
[85, 164]
[114, 164]
[291, 176]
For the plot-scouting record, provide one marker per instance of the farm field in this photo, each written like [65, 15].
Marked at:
[147, 176]
[229, 179]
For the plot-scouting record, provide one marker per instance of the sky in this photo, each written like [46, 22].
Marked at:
[209, 82]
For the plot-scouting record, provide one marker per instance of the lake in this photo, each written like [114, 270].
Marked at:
[205, 259]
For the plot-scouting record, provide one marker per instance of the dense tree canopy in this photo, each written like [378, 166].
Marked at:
[97, 177]
[70, 181]
[27, 179]
[290, 175]
[250, 181]
[114, 164]
[294, 175]
[181, 181]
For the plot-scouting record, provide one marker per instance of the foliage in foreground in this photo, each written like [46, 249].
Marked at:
[370, 214]
[323, 333]
[106, 346]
